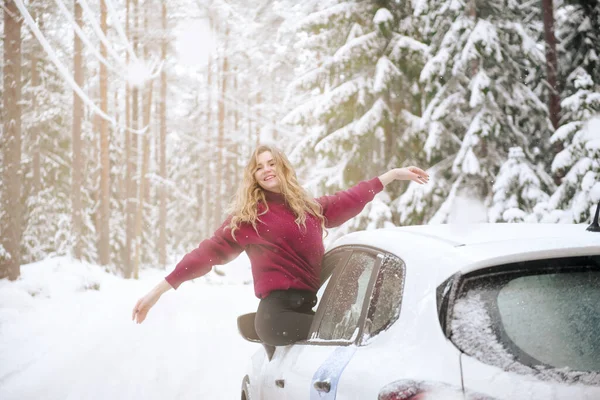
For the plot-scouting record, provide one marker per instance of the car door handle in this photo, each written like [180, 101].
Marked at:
[280, 383]
[322, 386]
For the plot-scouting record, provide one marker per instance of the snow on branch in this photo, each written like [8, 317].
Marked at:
[383, 15]
[308, 80]
[64, 72]
[372, 118]
[528, 44]
[326, 17]
[401, 44]
[385, 72]
[479, 86]
[368, 45]
[332, 141]
[301, 113]
[340, 95]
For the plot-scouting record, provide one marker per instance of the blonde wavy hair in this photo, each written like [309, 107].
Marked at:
[244, 208]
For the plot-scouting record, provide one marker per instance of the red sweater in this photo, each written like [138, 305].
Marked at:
[283, 255]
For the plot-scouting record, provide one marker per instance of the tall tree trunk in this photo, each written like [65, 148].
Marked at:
[134, 153]
[249, 121]
[551, 62]
[236, 125]
[220, 140]
[10, 227]
[206, 205]
[34, 131]
[128, 156]
[104, 242]
[77, 160]
[142, 185]
[146, 57]
[162, 148]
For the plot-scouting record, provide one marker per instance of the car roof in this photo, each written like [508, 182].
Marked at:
[450, 248]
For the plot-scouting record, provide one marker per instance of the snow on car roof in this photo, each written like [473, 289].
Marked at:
[468, 247]
[468, 234]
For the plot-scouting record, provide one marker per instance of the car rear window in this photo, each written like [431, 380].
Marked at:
[555, 318]
[539, 317]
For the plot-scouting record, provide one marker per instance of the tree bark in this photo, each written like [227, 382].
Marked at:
[146, 53]
[104, 240]
[133, 154]
[128, 155]
[10, 227]
[206, 204]
[77, 160]
[551, 62]
[34, 131]
[142, 185]
[221, 137]
[162, 148]
[236, 126]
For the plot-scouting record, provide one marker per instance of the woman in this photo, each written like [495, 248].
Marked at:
[281, 229]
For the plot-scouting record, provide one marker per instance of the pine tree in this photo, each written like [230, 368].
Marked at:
[359, 105]
[481, 100]
[517, 190]
[578, 30]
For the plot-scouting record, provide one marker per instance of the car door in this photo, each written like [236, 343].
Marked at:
[275, 378]
[530, 330]
[312, 368]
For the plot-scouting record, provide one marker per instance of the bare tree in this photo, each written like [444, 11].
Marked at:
[10, 228]
[133, 153]
[162, 148]
[34, 131]
[208, 224]
[104, 232]
[128, 157]
[220, 140]
[143, 183]
[77, 160]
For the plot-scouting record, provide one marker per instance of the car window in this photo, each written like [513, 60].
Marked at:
[386, 298]
[554, 318]
[343, 309]
[333, 260]
[540, 317]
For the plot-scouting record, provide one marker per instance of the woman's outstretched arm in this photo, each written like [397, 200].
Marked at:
[218, 250]
[144, 304]
[405, 174]
[342, 206]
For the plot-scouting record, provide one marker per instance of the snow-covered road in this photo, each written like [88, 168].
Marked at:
[58, 341]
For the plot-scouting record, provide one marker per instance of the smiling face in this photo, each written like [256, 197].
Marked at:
[264, 173]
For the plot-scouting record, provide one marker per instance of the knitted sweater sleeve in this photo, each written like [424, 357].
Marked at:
[219, 249]
[342, 206]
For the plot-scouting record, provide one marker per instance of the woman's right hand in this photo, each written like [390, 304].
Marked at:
[144, 304]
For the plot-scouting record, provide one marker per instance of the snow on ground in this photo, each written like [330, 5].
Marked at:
[66, 333]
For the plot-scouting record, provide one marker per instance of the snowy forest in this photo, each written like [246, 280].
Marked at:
[126, 123]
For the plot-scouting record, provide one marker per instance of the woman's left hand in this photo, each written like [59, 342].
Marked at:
[405, 174]
[411, 174]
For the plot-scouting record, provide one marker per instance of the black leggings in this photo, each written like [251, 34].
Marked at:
[284, 316]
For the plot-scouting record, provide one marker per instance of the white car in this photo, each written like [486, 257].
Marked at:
[487, 311]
